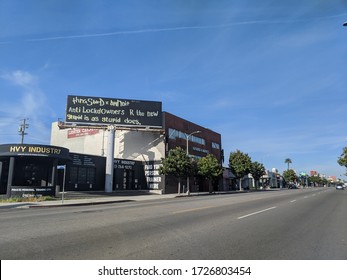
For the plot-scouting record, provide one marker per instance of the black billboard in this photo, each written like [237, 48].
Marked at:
[113, 111]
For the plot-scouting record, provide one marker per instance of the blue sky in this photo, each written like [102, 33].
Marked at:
[269, 76]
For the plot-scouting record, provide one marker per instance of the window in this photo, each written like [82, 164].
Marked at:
[73, 175]
[173, 134]
[91, 175]
[82, 175]
[198, 140]
[215, 146]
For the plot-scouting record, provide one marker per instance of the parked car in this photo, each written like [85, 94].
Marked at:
[340, 187]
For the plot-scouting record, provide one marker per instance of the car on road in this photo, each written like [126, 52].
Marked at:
[340, 187]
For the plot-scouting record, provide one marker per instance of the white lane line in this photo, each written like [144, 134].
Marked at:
[258, 212]
[192, 210]
[293, 200]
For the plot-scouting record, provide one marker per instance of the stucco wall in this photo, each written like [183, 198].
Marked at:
[135, 145]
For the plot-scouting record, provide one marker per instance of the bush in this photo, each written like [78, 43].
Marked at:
[27, 199]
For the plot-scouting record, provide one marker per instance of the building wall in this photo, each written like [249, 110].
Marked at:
[140, 145]
[149, 147]
[134, 145]
[85, 141]
[199, 145]
[210, 137]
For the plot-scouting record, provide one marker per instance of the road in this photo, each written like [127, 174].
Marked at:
[286, 225]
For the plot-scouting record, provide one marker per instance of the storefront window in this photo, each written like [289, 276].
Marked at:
[32, 173]
[82, 175]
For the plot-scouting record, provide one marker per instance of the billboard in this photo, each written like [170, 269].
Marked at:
[113, 111]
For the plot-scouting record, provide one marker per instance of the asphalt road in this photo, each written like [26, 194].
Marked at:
[287, 224]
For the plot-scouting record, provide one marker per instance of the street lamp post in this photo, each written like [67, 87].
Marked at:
[188, 136]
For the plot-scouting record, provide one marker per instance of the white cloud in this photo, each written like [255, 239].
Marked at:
[21, 78]
[27, 100]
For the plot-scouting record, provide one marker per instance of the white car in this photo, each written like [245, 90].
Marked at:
[340, 187]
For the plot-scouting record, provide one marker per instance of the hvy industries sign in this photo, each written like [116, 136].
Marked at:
[119, 112]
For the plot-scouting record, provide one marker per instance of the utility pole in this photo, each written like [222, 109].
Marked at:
[110, 159]
[22, 128]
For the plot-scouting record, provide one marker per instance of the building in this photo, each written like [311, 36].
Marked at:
[80, 153]
[137, 154]
[76, 160]
[30, 169]
[200, 141]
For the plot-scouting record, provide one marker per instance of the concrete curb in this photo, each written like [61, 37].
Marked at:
[78, 204]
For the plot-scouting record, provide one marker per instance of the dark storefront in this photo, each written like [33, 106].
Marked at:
[129, 175]
[34, 170]
[87, 173]
[83, 173]
[27, 170]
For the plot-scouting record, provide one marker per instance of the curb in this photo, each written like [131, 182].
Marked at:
[78, 204]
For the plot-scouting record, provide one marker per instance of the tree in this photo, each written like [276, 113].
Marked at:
[288, 161]
[289, 176]
[257, 170]
[240, 165]
[316, 181]
[209, 168]
[342, 160]
[178, 164]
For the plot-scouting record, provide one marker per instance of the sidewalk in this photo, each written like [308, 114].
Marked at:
[93, 200]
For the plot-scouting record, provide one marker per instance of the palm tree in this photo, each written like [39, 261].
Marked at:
[288, 161]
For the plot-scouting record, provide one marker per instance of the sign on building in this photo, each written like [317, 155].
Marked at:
[113, 111]
[34, 150]
[155, 181]
[80, 132]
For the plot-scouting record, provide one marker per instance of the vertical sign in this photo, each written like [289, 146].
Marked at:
[155, 181]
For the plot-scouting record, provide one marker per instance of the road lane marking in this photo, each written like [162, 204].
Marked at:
[258, 212]
[293, 200]
[192, 210]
